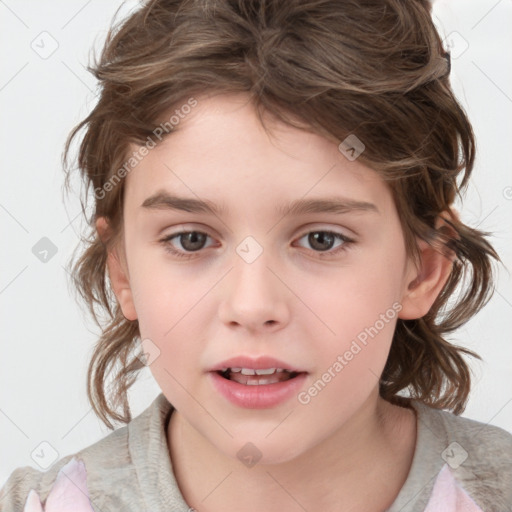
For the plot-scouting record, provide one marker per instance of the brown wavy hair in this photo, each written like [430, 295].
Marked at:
[372, 68]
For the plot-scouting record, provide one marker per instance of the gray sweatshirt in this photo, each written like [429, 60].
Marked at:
[130, 469]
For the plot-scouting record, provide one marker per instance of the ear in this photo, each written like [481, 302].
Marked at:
[424, 284]
[118, 273]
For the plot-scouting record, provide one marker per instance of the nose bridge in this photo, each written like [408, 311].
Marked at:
[255, 296]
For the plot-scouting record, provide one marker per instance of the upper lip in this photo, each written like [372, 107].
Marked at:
[255, 363]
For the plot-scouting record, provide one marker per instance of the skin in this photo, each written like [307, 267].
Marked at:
[294, 302]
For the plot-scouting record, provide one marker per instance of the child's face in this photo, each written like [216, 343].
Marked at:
[294, 302]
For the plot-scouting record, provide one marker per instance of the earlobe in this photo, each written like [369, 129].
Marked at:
[118, 274]
[424, 284]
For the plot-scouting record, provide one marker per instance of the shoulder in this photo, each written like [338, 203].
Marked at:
[478, 455]
[480, 444]
[104, 472]
[89, 470]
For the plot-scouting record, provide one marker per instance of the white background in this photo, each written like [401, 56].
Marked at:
[47, 339]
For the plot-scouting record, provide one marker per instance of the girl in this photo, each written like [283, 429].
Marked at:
[273, 186]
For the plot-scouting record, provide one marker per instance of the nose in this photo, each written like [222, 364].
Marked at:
[255, 297]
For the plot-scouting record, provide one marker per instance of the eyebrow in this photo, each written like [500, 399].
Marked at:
[164, 201]
[338, 205]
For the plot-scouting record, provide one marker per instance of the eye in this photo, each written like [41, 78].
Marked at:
[193, 241]
[190, 241]
[323, 241]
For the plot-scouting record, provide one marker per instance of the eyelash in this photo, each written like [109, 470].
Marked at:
[168, 248]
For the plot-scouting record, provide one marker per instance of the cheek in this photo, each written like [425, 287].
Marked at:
[168, 323]
[349, 361]
[168, 301]
[163, 291]
[358, 307]
[360, 292]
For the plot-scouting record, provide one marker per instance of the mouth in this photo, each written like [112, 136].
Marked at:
[257, 377]
[257, 382]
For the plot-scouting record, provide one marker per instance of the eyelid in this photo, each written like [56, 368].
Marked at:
[187, 228]
[340, 230]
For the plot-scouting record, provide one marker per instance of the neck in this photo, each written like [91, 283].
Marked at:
[374, 449]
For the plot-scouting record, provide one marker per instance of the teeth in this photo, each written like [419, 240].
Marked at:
[251, 371]
[268, 371]
[259, 382]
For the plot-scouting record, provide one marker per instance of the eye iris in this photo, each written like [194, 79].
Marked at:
[197, 240]
[316, 239]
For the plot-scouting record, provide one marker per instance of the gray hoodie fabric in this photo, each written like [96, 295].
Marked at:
[130, 469]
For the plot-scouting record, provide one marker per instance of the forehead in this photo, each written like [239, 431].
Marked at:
[221, 152]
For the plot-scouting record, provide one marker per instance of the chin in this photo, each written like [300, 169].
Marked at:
[252, 450]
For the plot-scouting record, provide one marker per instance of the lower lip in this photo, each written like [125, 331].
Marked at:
[258, 397]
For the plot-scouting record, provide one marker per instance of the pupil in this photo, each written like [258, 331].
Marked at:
[318, 238]
[197, 240]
